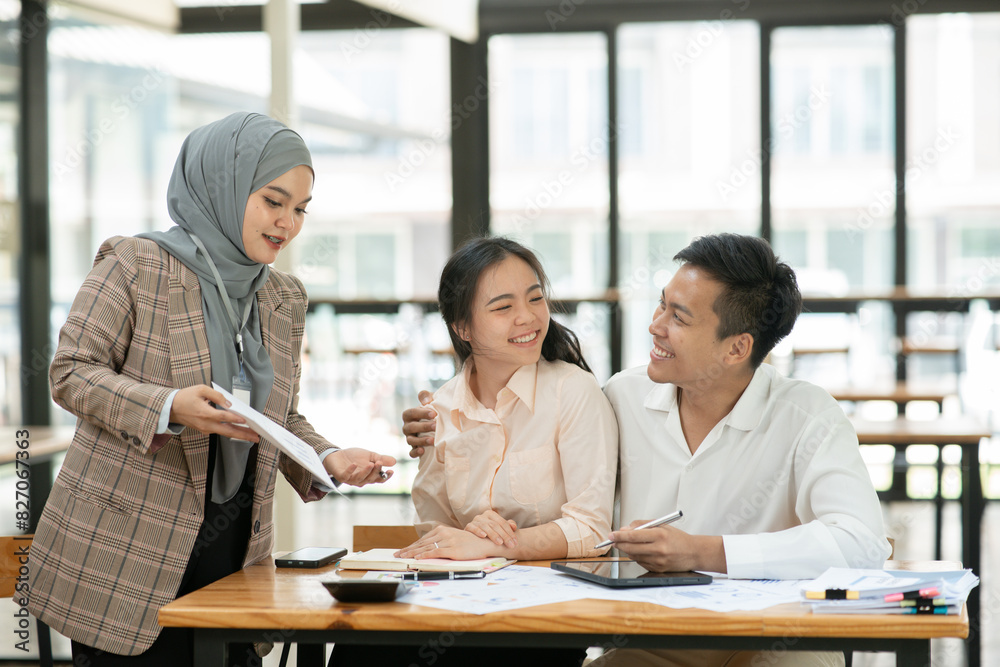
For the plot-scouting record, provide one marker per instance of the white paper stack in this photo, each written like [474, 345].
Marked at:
[851, 591]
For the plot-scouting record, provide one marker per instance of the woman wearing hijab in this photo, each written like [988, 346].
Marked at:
[162, 493]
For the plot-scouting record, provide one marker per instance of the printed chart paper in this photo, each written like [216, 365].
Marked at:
[290, 444]
[520, 586]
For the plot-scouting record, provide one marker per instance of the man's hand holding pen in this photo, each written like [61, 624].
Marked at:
[665, 548]
[668, 518]
[358, 467]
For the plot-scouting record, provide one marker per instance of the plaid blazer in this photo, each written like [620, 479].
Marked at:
[124, 513]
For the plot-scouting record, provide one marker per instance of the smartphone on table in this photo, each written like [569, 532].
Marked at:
[310, 557]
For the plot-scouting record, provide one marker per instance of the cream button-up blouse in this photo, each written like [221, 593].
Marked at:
[546, 453]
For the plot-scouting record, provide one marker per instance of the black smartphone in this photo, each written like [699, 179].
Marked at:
[367, 590]
[310, 557]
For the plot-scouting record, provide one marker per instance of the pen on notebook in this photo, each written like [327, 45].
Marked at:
[437, 576]
[670, 518]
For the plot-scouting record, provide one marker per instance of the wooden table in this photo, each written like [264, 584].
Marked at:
[899, 393]
[286, 605]
[966, 432]
[44, 443]
[911, 300]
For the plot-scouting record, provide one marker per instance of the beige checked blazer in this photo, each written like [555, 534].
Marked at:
[124, 513]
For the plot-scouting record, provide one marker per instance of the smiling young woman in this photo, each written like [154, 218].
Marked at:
[161, 492]
[526, 444]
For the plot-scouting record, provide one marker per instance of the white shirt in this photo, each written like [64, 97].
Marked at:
[780, 477]
[545, 453]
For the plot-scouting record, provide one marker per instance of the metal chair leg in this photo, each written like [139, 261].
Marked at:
[44, 645]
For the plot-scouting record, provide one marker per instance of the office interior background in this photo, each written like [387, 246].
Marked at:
[603, 134]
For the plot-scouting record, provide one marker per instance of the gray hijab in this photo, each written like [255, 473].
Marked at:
[220, 165]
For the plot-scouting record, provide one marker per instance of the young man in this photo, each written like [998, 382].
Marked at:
[767, 470]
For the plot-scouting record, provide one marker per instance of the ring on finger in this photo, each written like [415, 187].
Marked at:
[436, 545]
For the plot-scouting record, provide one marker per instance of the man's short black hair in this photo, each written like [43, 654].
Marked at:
[760, 295]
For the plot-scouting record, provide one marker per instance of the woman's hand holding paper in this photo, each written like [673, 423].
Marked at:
[196, 407]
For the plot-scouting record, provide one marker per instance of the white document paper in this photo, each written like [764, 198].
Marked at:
[296, 448]
[724, 595]
[513, 587]
[520, 586]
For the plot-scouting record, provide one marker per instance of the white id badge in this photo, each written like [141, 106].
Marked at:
[241, 389]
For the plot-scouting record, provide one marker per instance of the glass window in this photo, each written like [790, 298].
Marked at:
[378, 122]
[549, 166]
[833, 192]
[953, 151]
[111, 145]
[690, 161]
[549, 157]
[833, 188]
[377, 116]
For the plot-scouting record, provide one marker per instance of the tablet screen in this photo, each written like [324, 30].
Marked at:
[627, 573]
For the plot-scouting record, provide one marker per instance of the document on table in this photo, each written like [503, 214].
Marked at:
[519, 586]
[513, 587]
[724, 594]
[296, 449]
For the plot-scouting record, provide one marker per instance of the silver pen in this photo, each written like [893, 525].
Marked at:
[670, 518]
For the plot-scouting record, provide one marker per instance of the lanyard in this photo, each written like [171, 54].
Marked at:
[225, 301]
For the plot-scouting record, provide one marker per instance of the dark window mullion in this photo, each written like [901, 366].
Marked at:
[35, 303]
[765, 131]
[899, 150]
[615, 321]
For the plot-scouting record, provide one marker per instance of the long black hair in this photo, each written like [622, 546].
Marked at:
[457, 292]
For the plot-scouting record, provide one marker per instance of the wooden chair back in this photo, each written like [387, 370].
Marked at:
[14, 550]
[383, 537]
